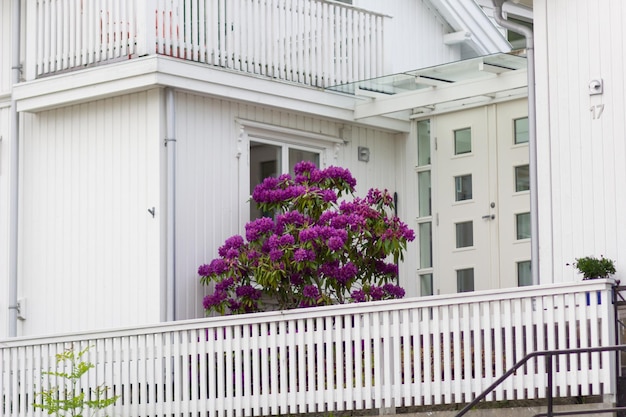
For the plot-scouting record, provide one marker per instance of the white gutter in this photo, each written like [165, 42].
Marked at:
[170, 144]
[532, 133]
[14, 171]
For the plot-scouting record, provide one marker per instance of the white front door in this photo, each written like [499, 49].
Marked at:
[476, 206]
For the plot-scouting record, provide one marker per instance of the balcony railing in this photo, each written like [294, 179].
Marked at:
[434, 350]
[313, 42]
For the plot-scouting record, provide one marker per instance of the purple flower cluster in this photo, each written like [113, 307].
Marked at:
[386, 268]
[257, 228]
[312, 239]
[375, 196]
[301, 255]
[393, 291]
[342, 273]
[273, 190]
[311, 296]
[216, 267]
[231, 247]
[248, 291]
[214, 299]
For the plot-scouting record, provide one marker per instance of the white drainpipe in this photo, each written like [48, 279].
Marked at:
[532, 133]
[14, 171]
[170, 143]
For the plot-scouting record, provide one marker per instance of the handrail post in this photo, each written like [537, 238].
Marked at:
[146, 31]
[549, 387]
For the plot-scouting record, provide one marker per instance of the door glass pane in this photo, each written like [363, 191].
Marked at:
[298, 155]
[524, 276]
[265, 161]
[426, 246]
[423, 182]
[462, 141]
[426, 284]
[465, 280]
[423, 142]
[521, 130]
[522, 179]
[523, 225]
[464, 234]
[463, 187]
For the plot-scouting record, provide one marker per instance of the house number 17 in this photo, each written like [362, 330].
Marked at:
[596, 111]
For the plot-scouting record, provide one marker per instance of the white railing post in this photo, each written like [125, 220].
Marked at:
[146, 30]
[32, 48]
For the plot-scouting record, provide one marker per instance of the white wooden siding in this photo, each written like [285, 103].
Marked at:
[581, 208]
[208, 201]
[5, 46]
[5, 150]
[89, 249]
[413, 35]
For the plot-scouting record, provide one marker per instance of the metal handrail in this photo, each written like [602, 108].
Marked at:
[581, 412]
[548, 354]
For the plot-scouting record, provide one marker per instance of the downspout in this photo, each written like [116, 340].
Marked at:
[170, 144]
[532, 133]
[14, 171]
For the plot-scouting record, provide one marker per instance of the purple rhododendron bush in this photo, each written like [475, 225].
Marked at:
[316, 250]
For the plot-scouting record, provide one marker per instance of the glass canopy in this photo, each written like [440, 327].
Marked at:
[446, 74]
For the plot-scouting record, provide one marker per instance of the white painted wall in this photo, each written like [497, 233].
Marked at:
[413, 34]
[89, 249]
[5, 47]
[5, 149]
[208, 177]
[4, 214]
[582, 159]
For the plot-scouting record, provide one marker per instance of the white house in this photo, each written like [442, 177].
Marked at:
[128, 155]
[111, 224]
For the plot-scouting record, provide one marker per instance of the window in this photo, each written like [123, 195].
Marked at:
[462, 141]
[522, 178]
[521, 130]
[423, 182]
[465, 280]
[463, 187]
[523, 225]
[423, 142]
[524, 276]
[464, 234]
[426, 246]
[270, 159]
[426, 285]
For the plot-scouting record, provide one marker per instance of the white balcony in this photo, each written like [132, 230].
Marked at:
[311, 42]
[426, 351]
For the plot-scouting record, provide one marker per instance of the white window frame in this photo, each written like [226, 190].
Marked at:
[327, 146]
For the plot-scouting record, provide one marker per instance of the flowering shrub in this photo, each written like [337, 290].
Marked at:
[315, 251]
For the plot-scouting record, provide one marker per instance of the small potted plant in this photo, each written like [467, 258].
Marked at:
[595, 268]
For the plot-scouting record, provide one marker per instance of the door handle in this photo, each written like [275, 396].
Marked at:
[489, 217]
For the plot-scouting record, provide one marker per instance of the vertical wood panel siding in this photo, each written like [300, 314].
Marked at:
[5, 150]
[584, 156]
[413, 35]
[5, 46]
[89, 248]
[208, 178]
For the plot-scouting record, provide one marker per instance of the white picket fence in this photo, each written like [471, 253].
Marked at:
[433, 350]
[313, 42]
